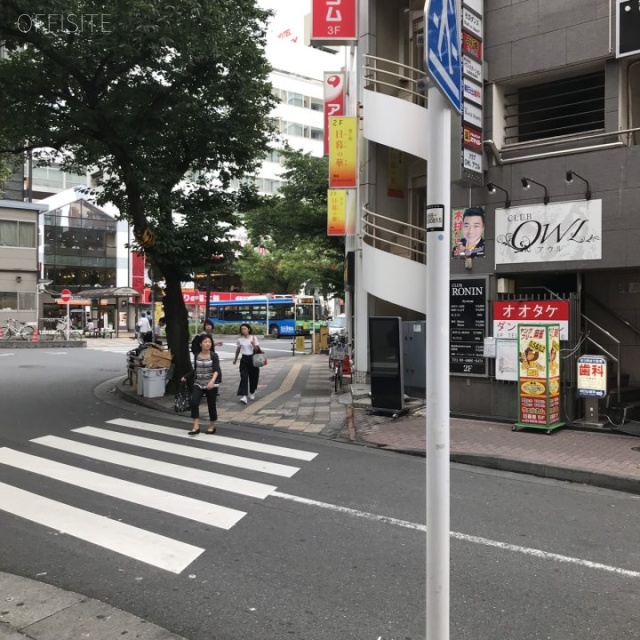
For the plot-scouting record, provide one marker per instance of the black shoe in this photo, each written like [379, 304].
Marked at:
[194, 433]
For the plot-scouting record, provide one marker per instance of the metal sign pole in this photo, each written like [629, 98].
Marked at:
[68, 322]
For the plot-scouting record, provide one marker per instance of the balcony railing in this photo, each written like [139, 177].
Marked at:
[395, 79]
[394, 236]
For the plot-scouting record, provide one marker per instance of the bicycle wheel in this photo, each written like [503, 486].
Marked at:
[26, 333]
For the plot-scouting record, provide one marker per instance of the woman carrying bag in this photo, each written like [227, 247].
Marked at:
[247, 345]
[207, 376]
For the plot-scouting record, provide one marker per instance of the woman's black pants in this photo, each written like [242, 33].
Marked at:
[249, 376]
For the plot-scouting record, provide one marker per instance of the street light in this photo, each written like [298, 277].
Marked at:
[491, 188]
[526, 185]
[569, 179]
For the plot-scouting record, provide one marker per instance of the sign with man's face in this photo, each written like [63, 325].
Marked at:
[467, 233]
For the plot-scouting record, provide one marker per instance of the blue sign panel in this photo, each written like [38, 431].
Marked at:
[443, 48]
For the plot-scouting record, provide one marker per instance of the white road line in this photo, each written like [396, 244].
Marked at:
[486, 542]
[183, 506]
[157, 467]
[222, 440]
[274, 468]
[124, 539]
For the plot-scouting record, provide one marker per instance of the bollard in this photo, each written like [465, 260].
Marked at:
[34, 337]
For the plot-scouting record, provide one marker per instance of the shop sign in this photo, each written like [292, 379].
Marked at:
[471, 45]
[471, 22]
[509, 314]
[342, 152]
[472, 137]
[337, 212]
[549, 233]
[333, 101]
[472, 91]
[592, 377]
[472, 69]
[334, 22]
[539, 376]
[472, 114]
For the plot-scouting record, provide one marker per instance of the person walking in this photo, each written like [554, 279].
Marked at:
[207, 377]
[249, 374]
[144, 328]
[207, 330]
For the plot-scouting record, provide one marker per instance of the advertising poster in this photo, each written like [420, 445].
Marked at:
[343, 133]
[539, 377]
[467, 233]
[336, 212]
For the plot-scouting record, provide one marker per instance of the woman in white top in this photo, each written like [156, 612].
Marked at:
[249, 374]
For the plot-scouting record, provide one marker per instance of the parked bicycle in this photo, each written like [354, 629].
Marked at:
[61, 331]
[337, 355]
[17, 330]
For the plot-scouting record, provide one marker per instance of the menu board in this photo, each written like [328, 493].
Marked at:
[468, 324]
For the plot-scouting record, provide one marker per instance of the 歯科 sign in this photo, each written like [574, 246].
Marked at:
[592, 377]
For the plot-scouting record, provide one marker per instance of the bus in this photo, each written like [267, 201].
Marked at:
[287, 316]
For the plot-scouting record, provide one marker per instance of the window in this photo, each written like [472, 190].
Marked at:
[316, 105]
[563, 107]
[8, 301]
[16, 233]
[26, 301]
[295, 99]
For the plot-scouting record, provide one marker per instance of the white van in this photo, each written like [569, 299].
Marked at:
[338, 326]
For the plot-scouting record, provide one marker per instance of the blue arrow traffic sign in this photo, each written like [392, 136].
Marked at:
[443, 48]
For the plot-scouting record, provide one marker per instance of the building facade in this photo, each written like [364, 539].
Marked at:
[549, 151]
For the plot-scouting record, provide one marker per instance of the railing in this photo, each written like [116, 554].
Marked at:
[394, 236]
[571, 145]
[395, 79]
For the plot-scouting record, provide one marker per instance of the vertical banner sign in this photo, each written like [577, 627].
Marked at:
[468, 313]
[539, 377]
[333, 101]
[334, 22]
[472, 94]
[342, 152]
[592, 377]
[337, 212]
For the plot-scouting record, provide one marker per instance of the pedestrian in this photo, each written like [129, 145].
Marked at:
[144, 328]
[159, 330]
[207, 377]
[249, 374]
[207, 330]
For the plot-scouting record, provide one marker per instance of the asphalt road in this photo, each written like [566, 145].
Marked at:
[329, 543]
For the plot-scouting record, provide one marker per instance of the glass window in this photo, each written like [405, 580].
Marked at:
[8, 233]
[26, 301]
[316, 134]
[8, 301]
[14, 233]
[293, 129]
[295, 99]
[317, 105]
[563, 107]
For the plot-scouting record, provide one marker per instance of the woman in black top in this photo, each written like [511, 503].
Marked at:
[207, 376]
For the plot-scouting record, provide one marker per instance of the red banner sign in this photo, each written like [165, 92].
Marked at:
[334, 22]
[333, 101]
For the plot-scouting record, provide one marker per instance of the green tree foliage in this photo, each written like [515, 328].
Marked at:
[158, 98]
[292, 225]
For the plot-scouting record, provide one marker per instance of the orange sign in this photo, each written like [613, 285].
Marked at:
[343, 135]
[336, 212]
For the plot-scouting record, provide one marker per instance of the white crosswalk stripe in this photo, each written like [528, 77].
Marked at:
[157, 467]
[197, 510]
[274, 468]
[230, 442]
[126, 539]
[142, 545]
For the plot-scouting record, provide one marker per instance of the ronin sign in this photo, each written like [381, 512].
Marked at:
[539, 377]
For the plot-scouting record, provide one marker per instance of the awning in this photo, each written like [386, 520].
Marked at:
[111, 292]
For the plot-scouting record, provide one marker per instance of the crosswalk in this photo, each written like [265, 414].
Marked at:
[95, 444]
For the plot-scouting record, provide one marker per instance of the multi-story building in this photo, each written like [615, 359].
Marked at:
[552, 129]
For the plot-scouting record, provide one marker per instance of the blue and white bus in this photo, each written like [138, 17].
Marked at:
[285, 314]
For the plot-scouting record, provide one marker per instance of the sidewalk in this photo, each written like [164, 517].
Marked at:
[295, 394]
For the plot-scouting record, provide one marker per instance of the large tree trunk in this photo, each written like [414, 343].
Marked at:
[175, 312]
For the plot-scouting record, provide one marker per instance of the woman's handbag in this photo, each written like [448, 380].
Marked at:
[183, 399]
[259, 359]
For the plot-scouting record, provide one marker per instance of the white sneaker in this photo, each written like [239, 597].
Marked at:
[252, 396]
[243, 399]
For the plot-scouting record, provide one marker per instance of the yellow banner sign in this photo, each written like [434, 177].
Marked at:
[343, 136]
[337, 212]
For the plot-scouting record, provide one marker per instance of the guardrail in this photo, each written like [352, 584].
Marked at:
[396, 79]
[394, 236]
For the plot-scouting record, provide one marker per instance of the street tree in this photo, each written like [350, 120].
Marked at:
[293, 224]
[166, 103]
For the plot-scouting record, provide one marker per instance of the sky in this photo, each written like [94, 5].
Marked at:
[289, 15]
